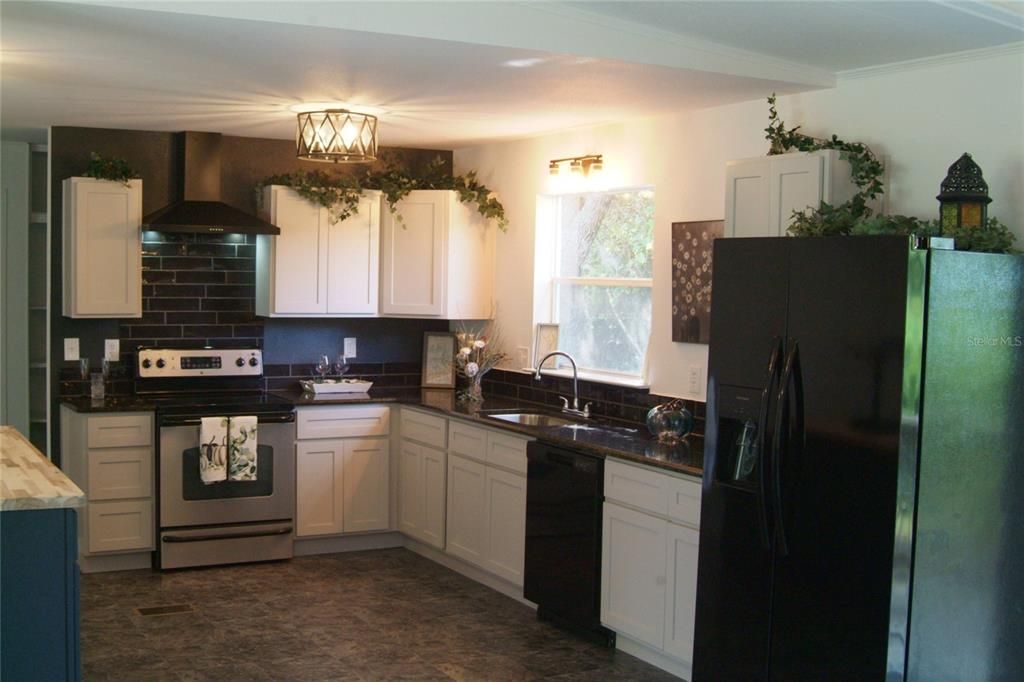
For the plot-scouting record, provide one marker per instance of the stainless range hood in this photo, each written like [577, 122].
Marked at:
[200, 209]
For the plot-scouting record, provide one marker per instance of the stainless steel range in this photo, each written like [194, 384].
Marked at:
[227, 521]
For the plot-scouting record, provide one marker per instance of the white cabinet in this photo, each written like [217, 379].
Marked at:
[487, 499]
[421, 505]
[467, 509]
[438, 262]
[762, 193]
[315, 267]
[633, 574]
[341, 481]
[649, 558]
[110, 457]
[102, 243]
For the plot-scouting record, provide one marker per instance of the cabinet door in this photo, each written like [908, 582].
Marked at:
[413, 255]
[353, 270]
[467, 510]
[681, 605]
[366, 484]
[633, 574]
[102, 248]
[319, 487]
[434, 496]
[747, 186]
[796, 184]
[410, 488]
[300, 254]
[506, 524]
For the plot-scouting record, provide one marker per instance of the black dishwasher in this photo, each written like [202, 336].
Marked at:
[564, 493]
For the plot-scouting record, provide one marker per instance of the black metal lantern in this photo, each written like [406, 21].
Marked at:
[963, 196]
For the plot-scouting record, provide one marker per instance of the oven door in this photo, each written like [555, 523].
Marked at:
[186, 501]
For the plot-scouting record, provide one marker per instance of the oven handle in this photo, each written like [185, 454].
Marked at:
[261, 418]
[227, 536]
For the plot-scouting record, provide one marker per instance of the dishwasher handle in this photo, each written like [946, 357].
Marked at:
[544, 453]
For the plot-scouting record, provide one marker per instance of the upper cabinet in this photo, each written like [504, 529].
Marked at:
[315, 267]
[438, 262]
[102, 248]
[762, 193]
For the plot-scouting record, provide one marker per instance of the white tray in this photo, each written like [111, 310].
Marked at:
[335, 386]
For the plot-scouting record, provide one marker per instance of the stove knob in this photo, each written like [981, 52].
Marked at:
[147, 363]
[160, 363]
[253, 361]
[240, 362]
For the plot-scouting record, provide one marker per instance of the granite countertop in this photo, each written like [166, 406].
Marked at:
[597, 437]
[28, 480]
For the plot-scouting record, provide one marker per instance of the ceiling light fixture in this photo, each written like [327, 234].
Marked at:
[584, 165]
[336, 135]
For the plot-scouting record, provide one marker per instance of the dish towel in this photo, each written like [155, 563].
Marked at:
[213, 439]
[242, 450]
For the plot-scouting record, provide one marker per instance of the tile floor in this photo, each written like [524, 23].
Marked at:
[380, 615]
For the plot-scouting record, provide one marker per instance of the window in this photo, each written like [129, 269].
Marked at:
[601, 284]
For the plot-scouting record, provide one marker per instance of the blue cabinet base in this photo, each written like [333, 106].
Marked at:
[39, 595]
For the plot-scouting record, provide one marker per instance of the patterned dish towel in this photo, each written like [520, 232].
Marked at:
[242, 455]
[213, 438]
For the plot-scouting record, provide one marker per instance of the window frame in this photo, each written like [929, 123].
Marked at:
[554, 312]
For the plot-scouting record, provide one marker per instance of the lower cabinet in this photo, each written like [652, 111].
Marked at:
[649, 558]
[487, 503]
[341, 483]
[421, 490]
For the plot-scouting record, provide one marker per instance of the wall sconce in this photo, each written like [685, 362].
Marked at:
[583, 165]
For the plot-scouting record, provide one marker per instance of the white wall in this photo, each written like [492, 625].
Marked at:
[922, 119]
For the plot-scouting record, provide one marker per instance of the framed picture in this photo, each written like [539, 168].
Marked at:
[691, 278]
[438, 360]
[546, 341]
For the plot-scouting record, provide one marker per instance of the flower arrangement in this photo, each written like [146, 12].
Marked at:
[478, 353]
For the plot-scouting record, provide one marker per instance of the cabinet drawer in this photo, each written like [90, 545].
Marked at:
[637, 487]
[684, 501]
[120, 526]
[467, 440]
[120, 473]
[425, 428]
[508, 452]
[120, 431]
[347, 421]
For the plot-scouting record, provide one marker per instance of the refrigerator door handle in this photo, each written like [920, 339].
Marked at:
[762, 426]
[790, 374]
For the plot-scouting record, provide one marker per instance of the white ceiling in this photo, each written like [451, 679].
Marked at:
[446, 74]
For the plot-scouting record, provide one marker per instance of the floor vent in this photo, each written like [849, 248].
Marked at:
[164, 610]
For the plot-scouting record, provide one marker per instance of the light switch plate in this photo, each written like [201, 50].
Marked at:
[112, 349]
[523, 356]
[350, 347]
[695, 380]
[71, 349]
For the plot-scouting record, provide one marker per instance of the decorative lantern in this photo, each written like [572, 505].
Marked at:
[963, 196]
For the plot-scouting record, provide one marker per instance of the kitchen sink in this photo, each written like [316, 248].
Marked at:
[532, 419]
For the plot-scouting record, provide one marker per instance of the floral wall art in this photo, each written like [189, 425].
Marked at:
[691, 278]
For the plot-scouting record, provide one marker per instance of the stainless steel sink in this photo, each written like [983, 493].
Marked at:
[532, 419]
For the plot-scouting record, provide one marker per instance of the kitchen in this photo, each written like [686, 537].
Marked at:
[681, 155]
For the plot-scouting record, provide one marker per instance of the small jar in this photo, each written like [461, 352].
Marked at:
[669, 422]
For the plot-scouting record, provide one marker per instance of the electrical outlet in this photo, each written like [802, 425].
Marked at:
[350, 346]
[112, 349]
[696, 379]
[523, 356]
[71, 349]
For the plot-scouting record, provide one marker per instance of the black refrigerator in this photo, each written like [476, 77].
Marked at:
[863, 495]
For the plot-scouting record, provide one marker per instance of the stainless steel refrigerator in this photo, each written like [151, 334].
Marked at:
[863, 494]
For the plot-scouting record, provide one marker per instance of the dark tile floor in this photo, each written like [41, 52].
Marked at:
[381, 615]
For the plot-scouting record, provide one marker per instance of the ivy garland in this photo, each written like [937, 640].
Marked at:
[855, 217]
[340, 194]
[109, 168]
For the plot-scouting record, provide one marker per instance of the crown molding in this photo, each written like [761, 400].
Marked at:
[979, 54]
[1008, 14]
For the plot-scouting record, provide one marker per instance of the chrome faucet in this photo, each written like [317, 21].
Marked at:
[575, 409]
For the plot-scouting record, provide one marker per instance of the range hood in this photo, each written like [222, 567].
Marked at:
[199, 209]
